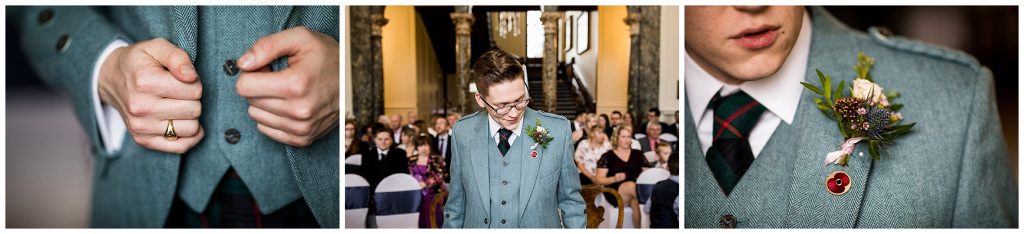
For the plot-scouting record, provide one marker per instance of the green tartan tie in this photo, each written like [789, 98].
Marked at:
[730, 155]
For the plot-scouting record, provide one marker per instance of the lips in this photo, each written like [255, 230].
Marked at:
[756, 38]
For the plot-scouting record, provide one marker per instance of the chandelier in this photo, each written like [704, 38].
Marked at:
[508, 23]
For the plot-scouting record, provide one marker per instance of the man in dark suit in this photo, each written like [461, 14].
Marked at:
[664, 202]
[383, 160]
[443, 143]
[652, 117]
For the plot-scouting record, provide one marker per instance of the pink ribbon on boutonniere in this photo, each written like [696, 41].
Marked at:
[533, 154]
[845, 149]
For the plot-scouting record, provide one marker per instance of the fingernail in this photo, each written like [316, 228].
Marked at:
[188, 71]
[245, 60]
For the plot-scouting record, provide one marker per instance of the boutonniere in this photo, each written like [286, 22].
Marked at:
[540, 135]
[865, 115]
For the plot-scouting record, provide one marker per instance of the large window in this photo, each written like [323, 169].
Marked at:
[534, 35]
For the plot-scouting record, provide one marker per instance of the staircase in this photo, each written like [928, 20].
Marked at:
[566, 104]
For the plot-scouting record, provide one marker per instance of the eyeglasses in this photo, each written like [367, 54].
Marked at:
[503, 110]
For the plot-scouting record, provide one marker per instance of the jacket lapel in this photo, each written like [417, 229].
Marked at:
[186, 19]
[479, 158]
[811, 205]
[531, 166]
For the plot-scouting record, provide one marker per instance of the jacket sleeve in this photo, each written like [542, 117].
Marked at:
[63, 45]
[987, 195]
[569, 199]
[455, 206]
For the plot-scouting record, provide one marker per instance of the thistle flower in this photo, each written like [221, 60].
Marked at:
[878, 121]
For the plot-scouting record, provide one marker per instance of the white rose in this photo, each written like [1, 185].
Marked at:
[865, 90]
[540, 129]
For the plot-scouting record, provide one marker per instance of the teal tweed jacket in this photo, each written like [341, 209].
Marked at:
[134, 187]
[541, 191]
[950, 171]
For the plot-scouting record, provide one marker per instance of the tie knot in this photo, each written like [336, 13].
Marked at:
[504, 133]
[735, 115]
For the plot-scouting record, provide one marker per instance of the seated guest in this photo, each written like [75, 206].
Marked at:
[651, 141]
[616, 119]
[602, 121]
[383, 159]
[352, 145]
[663, 151]
[619, 168]
[589, 152]
[652, 117]
[408, 134]
[577, 127]
[428, 168]
[627, 118]
[664, 203]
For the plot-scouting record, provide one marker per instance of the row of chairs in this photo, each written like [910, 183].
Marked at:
[398, 200]
[397, 197]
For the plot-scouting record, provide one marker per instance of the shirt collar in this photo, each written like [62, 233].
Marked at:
[779, 93]
[493, 126]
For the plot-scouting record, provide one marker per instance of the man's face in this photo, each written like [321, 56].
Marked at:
[616, 119]
[654, 130]
[383, 140]
[413, 116]
[652, 117]
[396, 120]
[736, 44]
[440, 125]
[501, 95]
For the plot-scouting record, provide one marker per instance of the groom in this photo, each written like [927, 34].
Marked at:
[502, 177]
[744, 66]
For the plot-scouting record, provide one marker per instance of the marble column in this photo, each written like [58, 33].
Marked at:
[463, 20]
[551, 19]
[644, 60]
[367, 62]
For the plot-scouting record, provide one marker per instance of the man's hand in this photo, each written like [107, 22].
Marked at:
[149, 83]
[297, 105]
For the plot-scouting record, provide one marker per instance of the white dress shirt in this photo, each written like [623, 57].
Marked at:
[779, 93]
[493, 126]
[442, 141]
[108, 120]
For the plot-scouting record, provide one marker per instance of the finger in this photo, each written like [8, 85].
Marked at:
[273, 46]
[282, 107]
[283, 137]
[293, 127]
[173, 58]
[166, 108]
[162, 84]
[159, 143]
[157, 127]
[282, 84]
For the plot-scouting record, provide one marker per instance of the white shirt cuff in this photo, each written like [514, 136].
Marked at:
[112, 127]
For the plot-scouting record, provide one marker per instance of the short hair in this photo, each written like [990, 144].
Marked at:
[651, 125]
[655, 110]
[379, 129]
[617, 112]
[663, 145]
[496, 67]
[615, 134]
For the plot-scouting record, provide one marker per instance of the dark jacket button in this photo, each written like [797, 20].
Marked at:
[45, 16]
[503, 203]
[503, 221]
[504, 182]
[447, 216]
[485, 220]
[63, 43]
[727, 221]
[230, 67]
[232, 136]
